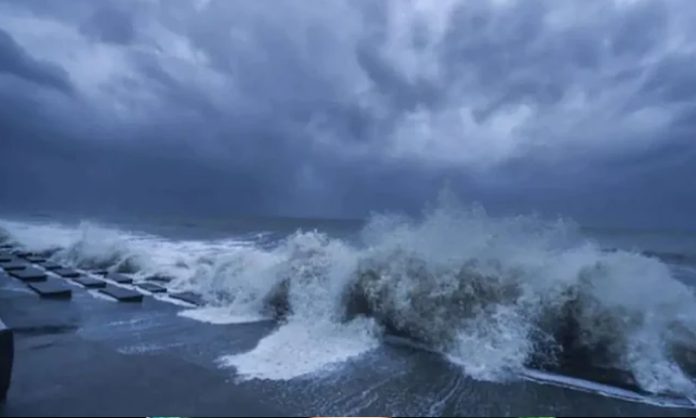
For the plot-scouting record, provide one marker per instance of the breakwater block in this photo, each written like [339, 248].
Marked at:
[29, 274]
[189, 297]
[6, 359]
[122, 295]
[120, 278]
[6, 257]
[101, 272]
[89, 282]
[152, 288]
[14, 265]
[160, 279]
[53, 289]
[66, 272]
[35, 259]
[50, 265]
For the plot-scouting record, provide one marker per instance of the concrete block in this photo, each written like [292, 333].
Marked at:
[50, 265]
[54, 289]
[122, 295]
[90, 282]
[152, 288]
[35, 259]
[67, 272]
[120, 278]
[29, 274]
[159, 279]
[14, 265]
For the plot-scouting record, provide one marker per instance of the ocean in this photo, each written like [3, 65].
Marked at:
[453, 312]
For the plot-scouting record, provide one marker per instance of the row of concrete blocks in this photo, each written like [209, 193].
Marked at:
[38, 280]
[15, 263]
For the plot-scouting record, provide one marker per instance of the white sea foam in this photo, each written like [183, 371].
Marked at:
[221, 316]
[300, 349]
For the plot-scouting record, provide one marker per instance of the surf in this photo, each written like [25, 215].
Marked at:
[498, 296]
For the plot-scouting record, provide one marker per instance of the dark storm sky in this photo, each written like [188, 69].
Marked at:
[337, 108]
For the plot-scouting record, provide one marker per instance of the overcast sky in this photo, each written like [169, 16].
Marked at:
[337, 108]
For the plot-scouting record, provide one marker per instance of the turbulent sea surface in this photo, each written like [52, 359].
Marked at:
[609, 311]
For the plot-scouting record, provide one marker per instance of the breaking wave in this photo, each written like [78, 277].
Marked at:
[494, 295]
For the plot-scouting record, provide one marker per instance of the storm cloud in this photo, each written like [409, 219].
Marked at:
[310, 108]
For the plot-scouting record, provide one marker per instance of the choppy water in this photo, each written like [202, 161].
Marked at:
[498, 298]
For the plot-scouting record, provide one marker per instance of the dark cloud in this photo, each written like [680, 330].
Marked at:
[110, 24]
[17, 62]
[340, 108]
[640, 29]
[671, 81]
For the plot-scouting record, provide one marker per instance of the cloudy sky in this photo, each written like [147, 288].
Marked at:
[337, 108]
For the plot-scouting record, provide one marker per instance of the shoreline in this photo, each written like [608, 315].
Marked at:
[93, 356]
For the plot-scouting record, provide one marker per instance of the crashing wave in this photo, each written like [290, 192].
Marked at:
[495, 295]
